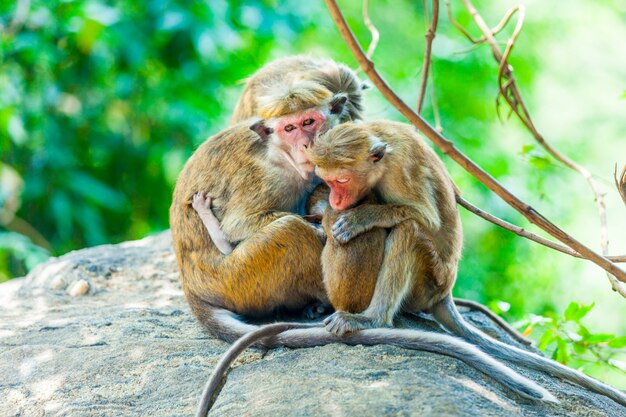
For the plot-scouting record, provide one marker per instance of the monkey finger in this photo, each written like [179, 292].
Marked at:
[343, 236]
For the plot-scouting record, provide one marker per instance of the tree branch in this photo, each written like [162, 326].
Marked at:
[526, 234]
[370, 26]
[430, 36]
[449, 149]
[511, 94]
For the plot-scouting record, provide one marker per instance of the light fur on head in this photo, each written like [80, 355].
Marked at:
[293, 98]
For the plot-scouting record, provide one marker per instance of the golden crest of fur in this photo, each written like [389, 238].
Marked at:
[290, 99]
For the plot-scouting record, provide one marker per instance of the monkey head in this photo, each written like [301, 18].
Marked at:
[350, 160]
[292, 120]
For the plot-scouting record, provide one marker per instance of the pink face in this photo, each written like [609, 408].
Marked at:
[346, 188]
[297, 133]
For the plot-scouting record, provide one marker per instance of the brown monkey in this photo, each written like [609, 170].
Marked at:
[254, 179]
[350, 274]
[424, 245]
[265, 94]
[350, 270]
[256, 175]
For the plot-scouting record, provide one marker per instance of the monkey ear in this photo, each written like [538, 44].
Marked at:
[261, 130]
[377, 151]
[365, 85]
[338, 103]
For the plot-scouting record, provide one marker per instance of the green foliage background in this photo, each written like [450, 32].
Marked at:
[101, 103]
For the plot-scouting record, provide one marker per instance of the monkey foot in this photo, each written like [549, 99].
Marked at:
[316, 310]
[341, 323]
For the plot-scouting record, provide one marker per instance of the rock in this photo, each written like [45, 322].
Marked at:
[79, 288]
[132, 348]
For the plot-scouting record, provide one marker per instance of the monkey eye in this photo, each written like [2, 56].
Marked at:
[343, 180]
[289, 128]
[308, 122]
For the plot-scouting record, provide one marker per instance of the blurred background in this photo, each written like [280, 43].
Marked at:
[102, 102]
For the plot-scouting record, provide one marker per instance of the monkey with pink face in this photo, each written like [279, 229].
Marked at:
[394, 243]
[251, 177]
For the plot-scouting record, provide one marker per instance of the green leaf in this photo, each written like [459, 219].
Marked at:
[576, 311]
[539, 161]
[618, 342]
[562, 351]
[579, 348]
[526, 149]
[600, 338]
[546, 338]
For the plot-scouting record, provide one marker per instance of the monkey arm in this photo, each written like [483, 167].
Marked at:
[358, 220]
[201, 203]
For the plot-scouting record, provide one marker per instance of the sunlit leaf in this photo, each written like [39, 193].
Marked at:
[618, 342]
[600, 338]
[576, 311]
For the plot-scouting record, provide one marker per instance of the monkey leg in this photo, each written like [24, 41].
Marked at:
[279, 266]
[405, 267]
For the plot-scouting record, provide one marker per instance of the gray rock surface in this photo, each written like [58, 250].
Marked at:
[130, 347]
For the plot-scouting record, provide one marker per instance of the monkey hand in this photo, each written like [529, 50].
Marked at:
[201, 203]
[342, 322]
[349, 225]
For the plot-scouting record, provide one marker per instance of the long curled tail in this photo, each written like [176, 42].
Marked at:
[447, 314]
[298, 335]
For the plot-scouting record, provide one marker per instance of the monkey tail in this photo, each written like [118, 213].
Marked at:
[447, 314]
[298, 335]
[426, 341]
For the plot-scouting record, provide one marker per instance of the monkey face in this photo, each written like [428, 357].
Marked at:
[297, 132]
[347, 187]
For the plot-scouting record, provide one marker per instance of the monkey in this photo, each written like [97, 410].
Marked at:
[254, 173]
[424, 244]
[359, 263]
[259, 96]
[256, 176]
[350, 272]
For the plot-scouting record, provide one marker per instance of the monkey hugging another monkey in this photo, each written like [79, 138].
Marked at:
[390, 201]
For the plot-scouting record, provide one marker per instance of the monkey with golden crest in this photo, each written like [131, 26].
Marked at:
[256, 174]
[252, 175]
[424, 244]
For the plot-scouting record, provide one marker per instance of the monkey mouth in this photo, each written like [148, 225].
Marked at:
[340, 201]
[304, 169]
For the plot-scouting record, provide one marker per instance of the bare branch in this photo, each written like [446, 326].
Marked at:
[459, 27]
[370, 26]
[447, 147]
[430, 36]
[511, 94]
[433, 100]
[525, 233]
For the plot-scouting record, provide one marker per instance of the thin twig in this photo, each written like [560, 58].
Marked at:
[525, 233]
[433, 100]
[448, 148]
[430, 36]
[370, 26]
[512, 96]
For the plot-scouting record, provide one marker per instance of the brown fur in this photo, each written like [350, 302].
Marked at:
[261, 273]
[418, 205]
[350, 270]
[253, 190]
[265, 91]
